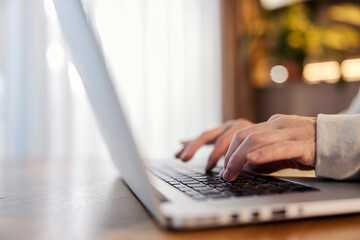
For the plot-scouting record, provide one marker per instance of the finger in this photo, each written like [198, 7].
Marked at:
[235, 143]
[221, 145]
[277, 152]
[221, 173]
[184, 143]
[177, 155]
[241, 135]
[235, 164]
[204, 138]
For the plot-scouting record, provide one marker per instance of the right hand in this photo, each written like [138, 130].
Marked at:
[221, 138]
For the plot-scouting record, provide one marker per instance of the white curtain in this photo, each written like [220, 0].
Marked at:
[165, 57]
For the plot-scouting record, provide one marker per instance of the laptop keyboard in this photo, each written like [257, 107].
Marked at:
[201, 186]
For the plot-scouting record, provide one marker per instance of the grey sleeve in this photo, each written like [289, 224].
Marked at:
[338, 146]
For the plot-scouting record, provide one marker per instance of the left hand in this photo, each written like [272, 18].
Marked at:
[282, 142]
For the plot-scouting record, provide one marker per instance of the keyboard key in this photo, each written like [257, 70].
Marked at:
[203, 188]
[182, 187]
[240, 184]
[211, 181]
[265, 185]
[252, 183]
[176, 183]
[172, 182]
[237, 192]
[196, 185]
[189, 182]
[222, 189]
[254, 190]
[211, 192]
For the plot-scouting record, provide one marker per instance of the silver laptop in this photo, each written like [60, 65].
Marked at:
[182, 196]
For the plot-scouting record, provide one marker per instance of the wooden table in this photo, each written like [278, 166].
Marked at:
[86, 199]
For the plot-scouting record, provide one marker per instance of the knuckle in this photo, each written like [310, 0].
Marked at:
[253, 139]
[242, 122]
[229, 122]
[282, 121]
[282, 118]
[239, 134]
[275, 116]
[279, 118]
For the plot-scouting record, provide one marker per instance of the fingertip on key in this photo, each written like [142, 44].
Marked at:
[182, 156]
[221, 173]
[227, 175]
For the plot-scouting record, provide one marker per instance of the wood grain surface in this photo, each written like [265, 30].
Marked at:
[86, 199]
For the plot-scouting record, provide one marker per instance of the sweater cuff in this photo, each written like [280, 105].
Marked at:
[338, 146]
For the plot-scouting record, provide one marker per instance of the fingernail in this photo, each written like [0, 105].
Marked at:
[227, 175]
[207, 167]
[209, 164]
[182, 156]
[221, 173]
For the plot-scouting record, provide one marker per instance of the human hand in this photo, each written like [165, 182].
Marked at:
[282, 142]
[221, 138]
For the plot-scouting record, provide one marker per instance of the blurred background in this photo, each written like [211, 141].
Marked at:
[293, 57]
[181, 67]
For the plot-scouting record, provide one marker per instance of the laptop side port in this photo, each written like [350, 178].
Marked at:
[234, 217]
[255, 215]
[279, 213]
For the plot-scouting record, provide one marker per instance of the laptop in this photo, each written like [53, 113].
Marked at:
[181, 196]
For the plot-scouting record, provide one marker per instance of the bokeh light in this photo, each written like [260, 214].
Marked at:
[322, 71]
[350, 69]
[279, 74]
